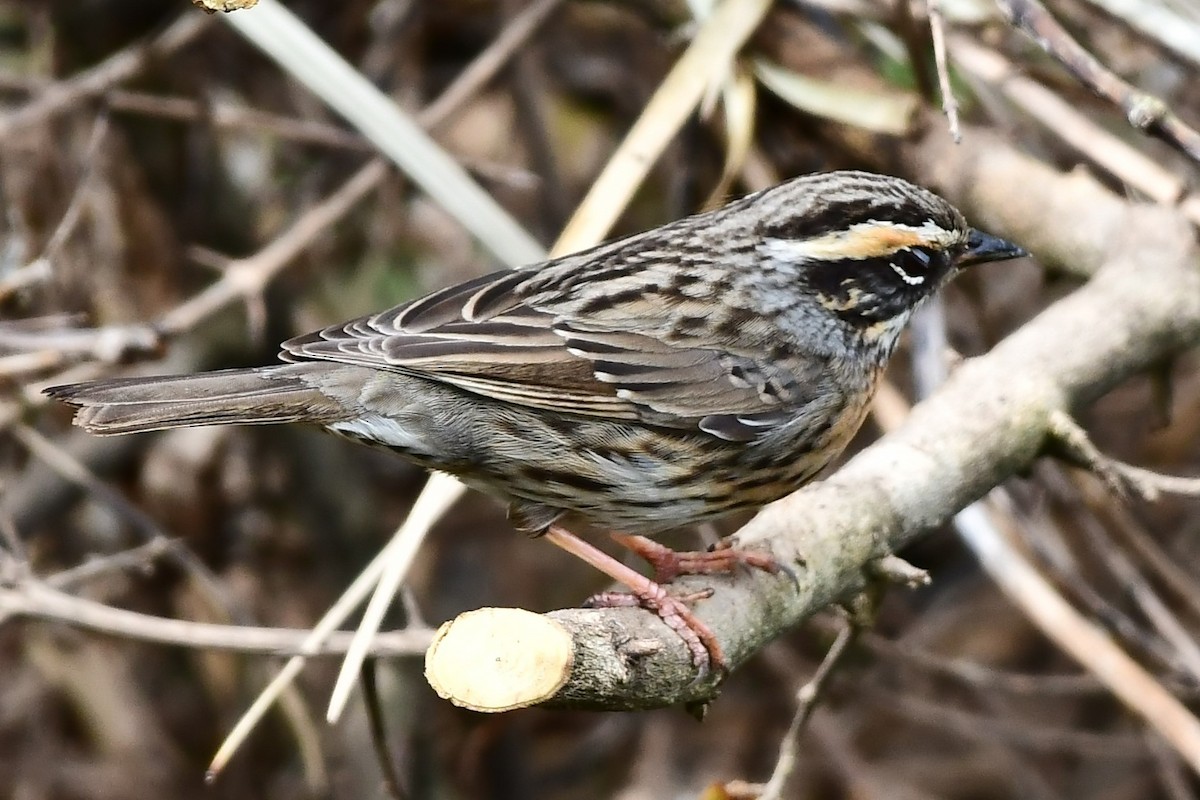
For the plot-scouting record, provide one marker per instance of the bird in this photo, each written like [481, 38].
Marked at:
[683, 374]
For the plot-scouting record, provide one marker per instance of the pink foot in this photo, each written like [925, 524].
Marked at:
[701, 642]
[669, 564]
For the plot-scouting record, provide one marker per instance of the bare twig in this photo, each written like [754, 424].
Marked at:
[1144, 112]
[314, 642]
[810, 693]
[246, 278]
[141, 557]
[70, 468]
[38, 600]
[66, 96]
[891, 569]
[1133, 535]
[1074, 442]
[238, 118]
[40, 268]
[49, 349]
[1067, 122]
[978, 727]
[937, 29]
[1120, 477]
[1032, 533]
[1081, 638]
[981, 676]
[282, 36]
[1166, 23]
[441, 492]
[1163, 619]
[35, 272]
[472, 79]
[1152, 485]
[11, 539]
[378, 728]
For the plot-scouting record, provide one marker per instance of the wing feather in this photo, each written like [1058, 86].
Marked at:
[523, 337]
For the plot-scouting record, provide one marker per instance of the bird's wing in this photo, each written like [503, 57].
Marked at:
[509, 337]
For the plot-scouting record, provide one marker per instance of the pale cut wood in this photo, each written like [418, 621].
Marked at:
[499, 659]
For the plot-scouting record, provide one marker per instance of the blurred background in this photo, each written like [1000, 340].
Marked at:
[127, 194]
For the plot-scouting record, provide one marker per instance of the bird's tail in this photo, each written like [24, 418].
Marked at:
[259, 396]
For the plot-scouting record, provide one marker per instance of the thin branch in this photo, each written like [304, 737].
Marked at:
[1152, 485]
[227, 116]
[1173, 29]
[75, 472]
[807, 698]
[38, 600]
[1147, 113]
[39, 269]
[12, 541]
[1078, 636]
[1133, 583]
[979, 676]
[281, 35]
[248, 277]
[66, 96]
[937, 29]
[33, 273]
[141, 558]
[1120, 477]
[439, 494]
[1081, 132]
[498, 54]
[978, 727]
[313, 643]
[245, 279]
[1069, 436]
[377, 725]
[1039, 535]
[1168, 570]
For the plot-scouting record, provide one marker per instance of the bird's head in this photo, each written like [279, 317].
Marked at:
[869, 248]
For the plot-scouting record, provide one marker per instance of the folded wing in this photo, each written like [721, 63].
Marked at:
[512, 336]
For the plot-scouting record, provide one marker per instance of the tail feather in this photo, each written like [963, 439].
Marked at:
[259, 396]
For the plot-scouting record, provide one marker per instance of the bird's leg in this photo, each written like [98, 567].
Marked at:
[699, 638]
[669, 564]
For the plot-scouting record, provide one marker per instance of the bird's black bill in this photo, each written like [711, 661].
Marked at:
[983, 247]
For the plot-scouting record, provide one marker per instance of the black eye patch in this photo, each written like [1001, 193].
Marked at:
[867, 290]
